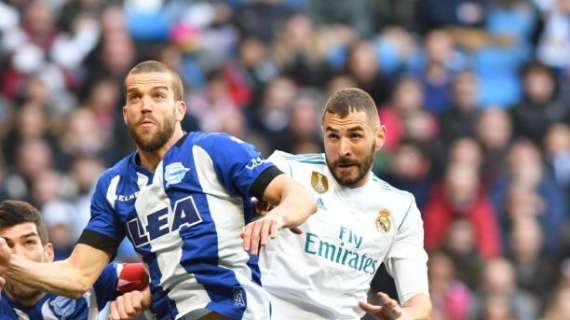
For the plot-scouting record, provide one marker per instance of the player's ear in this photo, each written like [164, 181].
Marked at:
[180, 111]
[380, 136]
[125, 114]
[48, 252]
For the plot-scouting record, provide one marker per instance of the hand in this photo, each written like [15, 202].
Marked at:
[255, 234]
[130, 305]
[5, 255]
[263, 207]
[389, 309]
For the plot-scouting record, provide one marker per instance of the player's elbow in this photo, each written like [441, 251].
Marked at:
[77, 290]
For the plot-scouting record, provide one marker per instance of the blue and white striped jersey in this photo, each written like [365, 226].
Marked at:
[185, 220]
[54, 307]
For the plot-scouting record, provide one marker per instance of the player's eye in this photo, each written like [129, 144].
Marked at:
[30, 243]
[356, 136]
[133, 98]
[332, 136]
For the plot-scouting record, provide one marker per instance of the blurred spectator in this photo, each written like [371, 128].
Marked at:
[494, 131]
[362, 65]
[262, 18]
[497, 307]
[466, 151]
[451, 299]
[272, 115]
[553, 47]
[557, 148]
[299, 53]
[460, 119]
[535, 272]
[208, 104]
[303, 133]
[435, 70]
[498, 282]
[541, 198]
[559, 308]
[407, 99]
[59, 218]
[410, 170]
[460, 196]
[538, 109]
[461, 247]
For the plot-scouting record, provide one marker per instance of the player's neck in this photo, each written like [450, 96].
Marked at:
[150, 160]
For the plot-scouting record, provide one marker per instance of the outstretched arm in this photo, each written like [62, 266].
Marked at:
[293, 205]
[71, 277]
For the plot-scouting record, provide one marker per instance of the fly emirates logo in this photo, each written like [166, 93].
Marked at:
[344, 251]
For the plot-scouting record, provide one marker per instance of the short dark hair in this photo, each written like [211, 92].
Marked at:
[348, 100]
[15, 212]
[150, 66]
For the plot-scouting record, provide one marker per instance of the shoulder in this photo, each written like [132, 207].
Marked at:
[400, 200]
[212, 139]
[288, 162]
[308, 159]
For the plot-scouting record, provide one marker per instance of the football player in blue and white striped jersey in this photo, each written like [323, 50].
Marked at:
[183, 200]
[23, 229]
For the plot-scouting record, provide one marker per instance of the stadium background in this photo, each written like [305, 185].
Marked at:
[474, 94]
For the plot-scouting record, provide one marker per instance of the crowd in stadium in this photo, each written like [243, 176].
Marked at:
[475, 96]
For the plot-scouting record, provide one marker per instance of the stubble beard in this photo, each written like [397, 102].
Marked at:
[156, 141]
[364, 167]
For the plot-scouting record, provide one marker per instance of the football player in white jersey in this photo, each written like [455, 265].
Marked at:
[361, 222]
[182, 199]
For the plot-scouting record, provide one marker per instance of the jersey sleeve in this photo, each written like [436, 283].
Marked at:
[104, 231]
[278, 158]
[240, 167]
[105, 286]
[406, 261]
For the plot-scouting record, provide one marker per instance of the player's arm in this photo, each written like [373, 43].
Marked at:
[406, 262]
[292, 206]
[71, 277]
[291, 201]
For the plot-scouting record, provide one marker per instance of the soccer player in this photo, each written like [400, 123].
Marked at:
[361, 222]
[183, 200]
[23, 229]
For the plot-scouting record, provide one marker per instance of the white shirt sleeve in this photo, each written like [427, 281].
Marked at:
[406, 261]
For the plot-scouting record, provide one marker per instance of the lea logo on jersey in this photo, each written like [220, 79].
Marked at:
[383, 222]
[319, 182]
[164, 221]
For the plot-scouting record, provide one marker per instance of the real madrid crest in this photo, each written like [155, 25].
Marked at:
[319, 182]
[383, 222]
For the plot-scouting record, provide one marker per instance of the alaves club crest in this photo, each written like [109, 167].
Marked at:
[319, 182]
[383, 222]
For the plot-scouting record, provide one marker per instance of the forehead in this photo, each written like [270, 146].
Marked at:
[353, 119]
[148, 80]
[19, 230]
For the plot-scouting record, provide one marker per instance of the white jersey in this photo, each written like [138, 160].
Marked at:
[323, 273]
